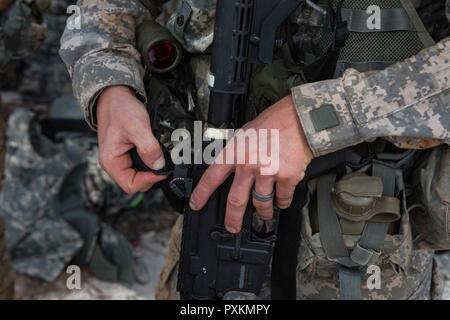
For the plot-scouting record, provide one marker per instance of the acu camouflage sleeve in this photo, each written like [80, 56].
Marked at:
[409, 99]
[102, 52]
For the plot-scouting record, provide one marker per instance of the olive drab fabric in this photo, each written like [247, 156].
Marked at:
[408, 101]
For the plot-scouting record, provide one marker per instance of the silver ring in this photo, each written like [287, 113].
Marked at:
[261, 197]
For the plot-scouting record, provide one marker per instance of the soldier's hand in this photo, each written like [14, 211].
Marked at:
[124, 123]
[294, 155]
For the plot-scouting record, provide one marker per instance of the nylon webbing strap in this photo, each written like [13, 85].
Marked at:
[350, 283]
[341, 66]
[333, 241]
[395, 19]
[329, 226]
[368, 249]
[387, 175]
[423, 34]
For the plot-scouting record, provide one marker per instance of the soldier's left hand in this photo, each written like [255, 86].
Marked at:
[294, 155]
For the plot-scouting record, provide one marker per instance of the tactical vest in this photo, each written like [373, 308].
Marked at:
[369, 35]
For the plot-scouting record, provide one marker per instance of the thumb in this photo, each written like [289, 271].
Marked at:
[150, 152]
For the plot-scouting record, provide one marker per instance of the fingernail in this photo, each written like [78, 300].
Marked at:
[231, 229]
[192, 204]
[159, 164]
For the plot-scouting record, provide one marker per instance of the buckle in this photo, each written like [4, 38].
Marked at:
[363, 256]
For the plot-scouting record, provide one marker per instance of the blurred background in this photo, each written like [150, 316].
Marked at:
[59, 207]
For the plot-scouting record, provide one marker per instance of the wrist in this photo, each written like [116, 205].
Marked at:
[112, 94]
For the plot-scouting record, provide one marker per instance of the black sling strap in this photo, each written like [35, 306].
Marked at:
[284, 264]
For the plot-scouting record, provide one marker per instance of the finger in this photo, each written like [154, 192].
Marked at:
[284, 194]
[130, 180]
[213, 177]
[147, 146]
[237, 201]
[264, 185]
[150, 152]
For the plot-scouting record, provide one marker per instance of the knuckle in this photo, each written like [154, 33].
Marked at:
[302, 176]
[284, 197]
[235, 201]
[150, 149]
[286, 178]
[233, 221]
[246, 169]
[134, 132]
[283, 205]
[284, 202]
[288, 181]
[208, 180]
[268, 215]
[262, 206]
[105, 162]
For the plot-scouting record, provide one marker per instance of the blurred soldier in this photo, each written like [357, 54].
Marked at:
[21, 32]
[373, 220]
[42, 77]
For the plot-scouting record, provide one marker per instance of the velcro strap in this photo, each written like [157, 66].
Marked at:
[396, 19]
[363, 256]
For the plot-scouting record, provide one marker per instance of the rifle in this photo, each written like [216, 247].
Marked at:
[213, 261]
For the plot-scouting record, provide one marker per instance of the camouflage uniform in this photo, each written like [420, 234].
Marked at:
[20, 34]
[43, 77]
[408, 100]
[35, 168]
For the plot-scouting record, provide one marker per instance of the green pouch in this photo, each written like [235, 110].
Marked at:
[358, 199]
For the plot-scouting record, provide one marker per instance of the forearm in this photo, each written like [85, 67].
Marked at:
[409, 99]
[102, 52]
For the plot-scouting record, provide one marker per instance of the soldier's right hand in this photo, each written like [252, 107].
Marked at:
[123, 123]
